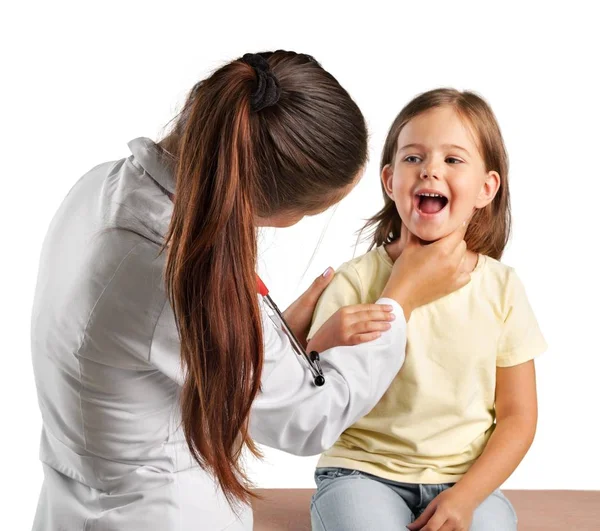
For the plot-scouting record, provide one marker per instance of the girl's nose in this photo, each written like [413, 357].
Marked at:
[430, 171]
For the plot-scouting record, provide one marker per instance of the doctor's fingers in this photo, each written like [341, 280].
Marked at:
[363, 327]
[463, 273]
[459, 253]
[369, 315]
[364, 338]
[355, 309]
[463, 266]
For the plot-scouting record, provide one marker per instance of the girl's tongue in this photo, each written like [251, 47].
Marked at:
[432, 205]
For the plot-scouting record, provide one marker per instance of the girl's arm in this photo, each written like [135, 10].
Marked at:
[516, 419]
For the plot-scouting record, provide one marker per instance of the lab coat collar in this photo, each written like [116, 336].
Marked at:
[151, 157]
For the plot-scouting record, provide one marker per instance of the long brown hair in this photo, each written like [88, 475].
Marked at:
[489, 230]
[232, 165]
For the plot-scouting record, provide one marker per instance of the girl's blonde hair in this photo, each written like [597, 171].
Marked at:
[489, 229]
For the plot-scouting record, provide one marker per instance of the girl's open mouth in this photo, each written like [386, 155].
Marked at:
[430, 203]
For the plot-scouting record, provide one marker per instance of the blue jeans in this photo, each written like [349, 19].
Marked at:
[349, 500]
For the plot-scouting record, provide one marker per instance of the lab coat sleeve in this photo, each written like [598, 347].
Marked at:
[292, 414]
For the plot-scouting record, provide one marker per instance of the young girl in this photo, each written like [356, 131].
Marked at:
[461, 413]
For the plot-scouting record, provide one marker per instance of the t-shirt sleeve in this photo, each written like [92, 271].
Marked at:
[344, 290]
[521, 339]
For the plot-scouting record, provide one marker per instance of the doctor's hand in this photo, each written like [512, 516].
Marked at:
[352, 325]
[424, 273]
[299, 314]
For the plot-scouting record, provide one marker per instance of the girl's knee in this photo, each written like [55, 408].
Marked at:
[496, 513]
[354, 502]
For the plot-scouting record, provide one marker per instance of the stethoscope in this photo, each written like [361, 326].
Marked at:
[312, 359]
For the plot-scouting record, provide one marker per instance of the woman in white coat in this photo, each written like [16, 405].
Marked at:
[154, 362]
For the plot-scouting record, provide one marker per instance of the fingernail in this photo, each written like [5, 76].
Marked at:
[327, 272]
[392, 316]
[388, 308]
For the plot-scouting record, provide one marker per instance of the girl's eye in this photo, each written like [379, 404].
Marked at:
[412, 159]
[453, 160]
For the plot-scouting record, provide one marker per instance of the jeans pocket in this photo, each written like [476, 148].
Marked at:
[325, 473]
[327, 478]
[330, 473]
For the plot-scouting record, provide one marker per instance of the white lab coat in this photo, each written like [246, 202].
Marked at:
[108, 374]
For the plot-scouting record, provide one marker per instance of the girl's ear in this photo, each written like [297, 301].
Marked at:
[488, 190]
[387, 178]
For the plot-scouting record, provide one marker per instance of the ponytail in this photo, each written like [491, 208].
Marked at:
[210, 276]
[242, 153]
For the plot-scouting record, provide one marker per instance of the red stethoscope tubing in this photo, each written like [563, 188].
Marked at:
[312, 359]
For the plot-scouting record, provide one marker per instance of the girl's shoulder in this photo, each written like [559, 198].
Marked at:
[494, 271]
[521, 339]
[501, 283]
[367, 273]
[375, 259]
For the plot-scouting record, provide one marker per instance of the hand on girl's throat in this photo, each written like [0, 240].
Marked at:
[395, 248]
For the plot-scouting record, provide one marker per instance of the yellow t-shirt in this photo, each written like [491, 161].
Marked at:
[438, 414]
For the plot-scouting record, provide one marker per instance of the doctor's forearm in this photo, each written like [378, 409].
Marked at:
[294, 415]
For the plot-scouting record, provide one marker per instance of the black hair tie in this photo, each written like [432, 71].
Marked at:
[267, 90]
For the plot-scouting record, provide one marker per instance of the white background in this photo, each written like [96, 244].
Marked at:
[81, 79]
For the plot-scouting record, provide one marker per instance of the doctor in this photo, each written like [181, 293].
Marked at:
[154, 361]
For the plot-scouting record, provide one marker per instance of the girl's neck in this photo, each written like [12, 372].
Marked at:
[394, 250]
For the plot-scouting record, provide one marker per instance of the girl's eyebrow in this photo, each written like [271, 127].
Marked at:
[410, 146]
[456, 146]
[444, 146]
